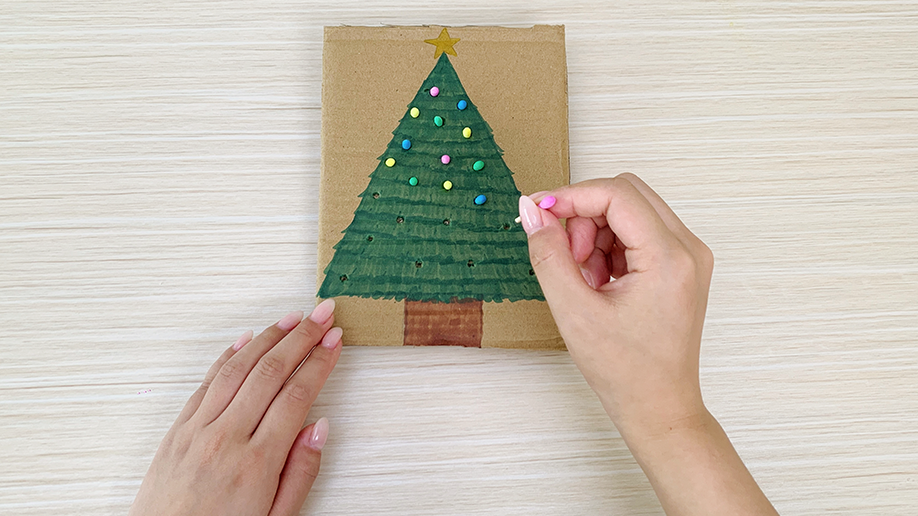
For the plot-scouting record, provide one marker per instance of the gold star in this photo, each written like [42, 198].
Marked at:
[444, 43]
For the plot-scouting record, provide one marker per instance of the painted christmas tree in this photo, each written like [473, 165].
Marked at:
[435, 227]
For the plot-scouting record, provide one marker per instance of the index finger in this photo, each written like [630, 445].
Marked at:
[628, 213]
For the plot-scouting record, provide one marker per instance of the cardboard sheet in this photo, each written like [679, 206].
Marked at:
[427, 250]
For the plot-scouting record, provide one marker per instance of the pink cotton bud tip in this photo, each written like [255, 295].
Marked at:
[434, 91]
[444, 159]
[548, 202]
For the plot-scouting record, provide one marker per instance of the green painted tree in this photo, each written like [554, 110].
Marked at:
[436, 222]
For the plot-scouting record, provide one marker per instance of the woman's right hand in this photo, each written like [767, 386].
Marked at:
[635, 339]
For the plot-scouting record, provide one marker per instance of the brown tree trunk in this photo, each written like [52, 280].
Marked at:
[431, 323]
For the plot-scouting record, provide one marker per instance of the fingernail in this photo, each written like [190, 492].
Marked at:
[243, 340]
[289, 321]
[547, 202]
[538, 194]
[588, 276]
[529, 213]
[323, 311]
[319, 434]
[332, 338]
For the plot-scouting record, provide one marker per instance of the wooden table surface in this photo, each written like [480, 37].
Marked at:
[158, 178]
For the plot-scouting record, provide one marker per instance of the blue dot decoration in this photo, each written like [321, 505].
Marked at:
[406, 144]
[481, 199]
[462, 105]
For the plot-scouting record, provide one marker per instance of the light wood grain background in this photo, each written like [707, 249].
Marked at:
[158, 178]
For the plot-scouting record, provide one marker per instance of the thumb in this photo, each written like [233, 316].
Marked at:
[551, 256]
[301, 469]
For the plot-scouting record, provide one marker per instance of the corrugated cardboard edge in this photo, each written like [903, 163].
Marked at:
[524, 99]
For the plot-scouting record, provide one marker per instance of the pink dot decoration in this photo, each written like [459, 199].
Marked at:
[548, 202]
[434, 91]
[445, 159]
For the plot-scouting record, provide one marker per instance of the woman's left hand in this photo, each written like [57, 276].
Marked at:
[239, 446]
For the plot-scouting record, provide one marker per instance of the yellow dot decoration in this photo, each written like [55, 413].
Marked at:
[390, 162]
[447, 185]
[415, 112]
[467, 132]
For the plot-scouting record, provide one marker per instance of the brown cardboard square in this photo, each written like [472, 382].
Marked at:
[518, 80]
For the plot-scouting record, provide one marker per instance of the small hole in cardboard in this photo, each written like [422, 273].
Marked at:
[446, 222]
[506, 226]
[531, 272]
[370, 238]
[376, 195]
[399, 219]
[343, 277]
[471, 263]
[418, 264]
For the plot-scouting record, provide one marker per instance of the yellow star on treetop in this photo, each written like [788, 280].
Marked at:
[444, 43]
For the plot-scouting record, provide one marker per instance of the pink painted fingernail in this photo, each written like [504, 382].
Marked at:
[548, 202]
[244, 339]
[530, 216]
[332, 338]
[289, 321]
[319, 434]
[588, 276]
[323, 311]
